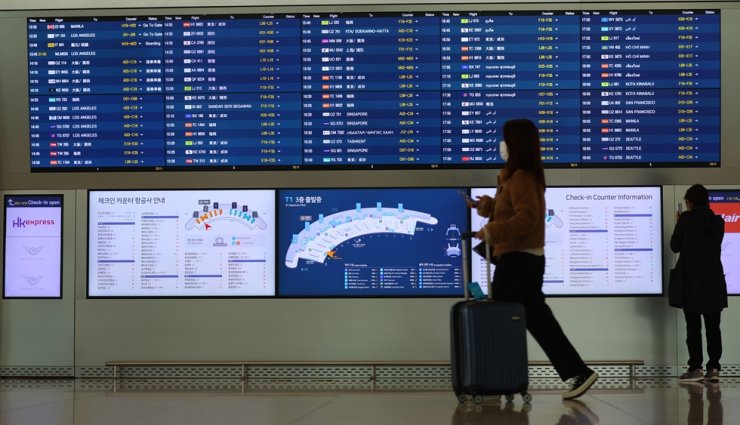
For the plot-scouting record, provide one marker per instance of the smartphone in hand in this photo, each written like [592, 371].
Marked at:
[468, 200]
[679, 210]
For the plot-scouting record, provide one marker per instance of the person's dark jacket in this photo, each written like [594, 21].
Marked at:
[698, 238]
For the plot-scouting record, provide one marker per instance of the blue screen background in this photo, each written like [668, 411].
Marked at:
[374, 263]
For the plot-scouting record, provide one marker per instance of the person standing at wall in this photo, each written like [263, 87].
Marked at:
[516, 230]
[697, 238]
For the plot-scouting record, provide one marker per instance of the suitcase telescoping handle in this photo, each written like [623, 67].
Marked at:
[466, 238]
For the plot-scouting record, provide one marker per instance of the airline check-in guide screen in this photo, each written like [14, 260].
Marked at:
[33, 246]
[181, 243]
[598, 241]
[727, 204]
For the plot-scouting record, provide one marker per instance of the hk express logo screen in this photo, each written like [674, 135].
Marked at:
[23, 223]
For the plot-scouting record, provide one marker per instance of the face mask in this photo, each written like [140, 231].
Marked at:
[503, 151]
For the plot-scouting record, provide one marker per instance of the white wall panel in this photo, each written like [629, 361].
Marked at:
[88, 332]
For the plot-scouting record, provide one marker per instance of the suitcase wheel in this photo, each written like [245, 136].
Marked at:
[527, 397]
[509, 397]
[478, 399]
[462, 398]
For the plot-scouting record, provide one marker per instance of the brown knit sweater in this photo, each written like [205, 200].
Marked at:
[518, 214]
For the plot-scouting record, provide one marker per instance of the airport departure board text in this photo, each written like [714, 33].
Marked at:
[372, 90]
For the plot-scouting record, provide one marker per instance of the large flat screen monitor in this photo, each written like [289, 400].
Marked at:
[353, 89]
[181, 243]
[598, 241]
[33, 246]
[727, 204]
[370, 242]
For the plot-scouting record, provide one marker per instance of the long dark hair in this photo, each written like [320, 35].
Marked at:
[523, 143]
[698, 195]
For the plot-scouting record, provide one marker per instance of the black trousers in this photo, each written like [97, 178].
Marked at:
[518, 278]
[694, 340]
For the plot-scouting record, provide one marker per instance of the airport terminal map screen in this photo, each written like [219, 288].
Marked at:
[373, 90]
[727, 204]
[370, 242]
[598, 241]
[181, 243]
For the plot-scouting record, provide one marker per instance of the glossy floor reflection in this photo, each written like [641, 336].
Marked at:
[226, 402]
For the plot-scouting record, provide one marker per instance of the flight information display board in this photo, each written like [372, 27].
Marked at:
[598, 241]
[181, 243]
[373, 90]
[727, 204]
[370, 242]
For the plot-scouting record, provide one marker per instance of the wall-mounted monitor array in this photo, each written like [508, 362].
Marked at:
[598, 241]
[363, 242]
[181, 243]
[727, 204]
[32, 263]
[373, 90]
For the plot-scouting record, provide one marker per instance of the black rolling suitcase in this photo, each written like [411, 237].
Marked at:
[489, 345]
